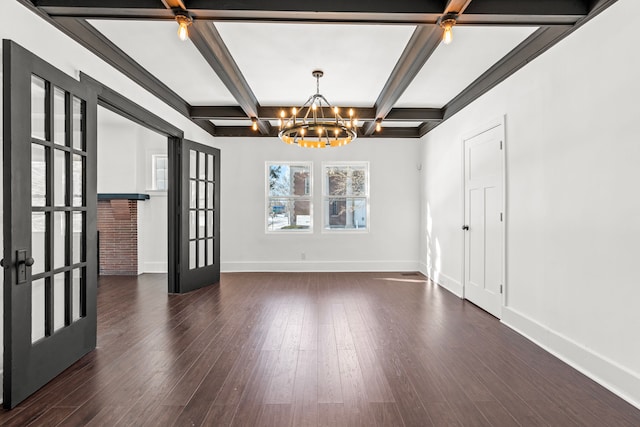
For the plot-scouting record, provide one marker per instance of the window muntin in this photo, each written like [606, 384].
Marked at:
[346, 196]
[289, 205]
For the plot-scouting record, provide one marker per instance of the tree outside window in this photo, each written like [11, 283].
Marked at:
[346, 196]
[289, 205]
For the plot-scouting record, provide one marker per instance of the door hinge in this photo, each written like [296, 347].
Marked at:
[500, 288]
[500, 216]
[501, 145]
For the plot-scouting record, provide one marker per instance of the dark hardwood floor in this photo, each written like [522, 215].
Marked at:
[311, 349]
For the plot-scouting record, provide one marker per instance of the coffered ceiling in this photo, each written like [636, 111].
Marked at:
[249, 59]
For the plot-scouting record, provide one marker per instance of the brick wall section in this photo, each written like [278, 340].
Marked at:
[118, 227]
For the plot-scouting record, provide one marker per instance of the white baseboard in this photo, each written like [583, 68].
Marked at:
[154, 267]
[313, 266]
[607, 373]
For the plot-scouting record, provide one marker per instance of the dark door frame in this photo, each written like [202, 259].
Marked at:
[122, 106]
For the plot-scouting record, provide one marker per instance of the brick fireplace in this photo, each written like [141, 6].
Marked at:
[118, 233]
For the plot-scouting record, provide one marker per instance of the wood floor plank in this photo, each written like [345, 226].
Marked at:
[305, 390]
[311, 349]
[329, 383]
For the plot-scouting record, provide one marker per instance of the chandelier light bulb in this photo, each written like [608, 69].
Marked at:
[378, 126]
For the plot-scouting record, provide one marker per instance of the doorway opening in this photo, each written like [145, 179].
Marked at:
[132, 197]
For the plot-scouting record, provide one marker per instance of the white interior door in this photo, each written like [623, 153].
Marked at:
[483, 227]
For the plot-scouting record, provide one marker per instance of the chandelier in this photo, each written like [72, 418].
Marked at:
[317, 124]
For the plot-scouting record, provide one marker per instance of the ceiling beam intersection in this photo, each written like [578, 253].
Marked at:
[422, 44]
[209, 43]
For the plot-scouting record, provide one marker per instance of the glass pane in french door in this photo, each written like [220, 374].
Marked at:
[201, 209]
[58, 227]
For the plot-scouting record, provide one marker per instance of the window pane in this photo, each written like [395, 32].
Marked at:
[38, 176]
[37, 310]
[59, 175]
[78, 178]
[75, 294]
[279, 180]
[210, 196]
[201, 194]
[59, 239]
[210, 252]
[289, 214]
[192, 224]
[192, 163]
[38, 234]
[192, 194]
[78, 219]
[358, 182]
[58, 301]
[202, 172]
[346, 213]
[59, 116]
[336, 181]
[201, 253]
[201, 224]
[78, 120]
[192, 254]
[38, 103]
[209, 223]
[210, 167]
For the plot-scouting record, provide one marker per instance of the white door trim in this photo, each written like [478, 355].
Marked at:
[499, 121]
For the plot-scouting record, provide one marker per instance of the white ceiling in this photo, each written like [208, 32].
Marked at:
[451, 68]
[277, 59]
[156, 46]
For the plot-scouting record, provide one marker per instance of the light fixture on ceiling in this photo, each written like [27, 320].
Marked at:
[447, 22]
[184, 20]
[317, 124]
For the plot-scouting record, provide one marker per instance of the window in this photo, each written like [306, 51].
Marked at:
[346, 196]
[289, 190]
[160, 171]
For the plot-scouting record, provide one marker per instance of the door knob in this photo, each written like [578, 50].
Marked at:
[28, 262]
[465, 227]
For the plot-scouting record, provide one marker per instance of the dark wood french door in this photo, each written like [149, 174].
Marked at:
[198, 221]
[49, 222]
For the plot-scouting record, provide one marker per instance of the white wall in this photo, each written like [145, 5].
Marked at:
[125, 150]
[573, 211]
[391, 244]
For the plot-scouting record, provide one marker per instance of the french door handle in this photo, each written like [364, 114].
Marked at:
[465, 227]
[28, 262]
